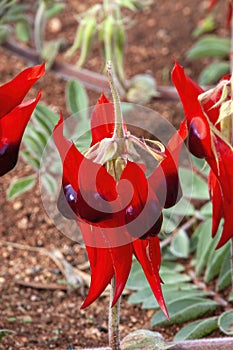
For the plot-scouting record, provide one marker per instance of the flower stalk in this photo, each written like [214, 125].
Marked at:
[119, 128]
[114, 319]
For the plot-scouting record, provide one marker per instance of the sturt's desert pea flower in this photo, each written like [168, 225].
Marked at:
[118, 208]
[210, 137]
[15, 114]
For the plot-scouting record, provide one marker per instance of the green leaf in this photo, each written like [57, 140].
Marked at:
[213, 72]
[172, 295]
[206, 210]
[193, 186]
[20, 186]
[204, 246]
[29, 159]
[200, 164]
[49, 51]
[140, 296]
[197, 329]
[170, 223]
[224, 278]
[210, 46]
[184, 310]
[33, 144]
[54, 10]
[225, 322]
[215, 261]
[23, 30]
[49, 118]
[76, 98]
[171, 277]
[137, 279]
[168, 265]
[49, 183]
[180, 245]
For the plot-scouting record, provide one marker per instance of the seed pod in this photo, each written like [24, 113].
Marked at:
[88, 34]
[119, 44]
[78, 38]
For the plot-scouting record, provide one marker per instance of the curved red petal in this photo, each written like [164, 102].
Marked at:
[143, 212]
[148, 254]
[217, 201]
[224, 174]
[12, 127]
[70, 156]
[199, 129]
[93, 188]
[165, 180]
[101, 264]
[102, 120]
[13, 92]
[122, 261]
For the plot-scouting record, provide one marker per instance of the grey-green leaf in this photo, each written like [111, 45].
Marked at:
[213, 72]
[54, 10]
[23, 30]
[180, 245]
[193, 186]
[184, 310]
[197, 329]
[20, 186]
[76, 98]
[225, 322]
[224, 278]
[205, 244]
[215, 261]
[210, 46]
[49, 183]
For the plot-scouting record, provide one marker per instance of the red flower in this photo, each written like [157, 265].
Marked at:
[118, 209]
[14, 115]
[205, 141]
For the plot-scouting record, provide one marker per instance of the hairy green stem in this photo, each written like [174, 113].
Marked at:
[119, 129]
[114, 319]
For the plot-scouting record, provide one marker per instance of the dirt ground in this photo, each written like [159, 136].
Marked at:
[43, 313]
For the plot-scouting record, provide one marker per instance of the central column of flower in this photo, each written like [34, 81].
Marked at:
[115, 168]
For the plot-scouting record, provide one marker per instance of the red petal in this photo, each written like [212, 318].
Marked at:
[13, 93]
[94, 187]
[224, 174]
[142, 213]
[164, 180]
[122, 261]
[101, 264]
[217, 201]
[148, 254]
[70, 156]
[199, 137]
[12, 127]
[102, 120]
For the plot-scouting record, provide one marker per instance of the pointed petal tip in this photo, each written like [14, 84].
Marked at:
[103, 99]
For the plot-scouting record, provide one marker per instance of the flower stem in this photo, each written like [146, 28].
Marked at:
[114, 319]
[119, 129]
